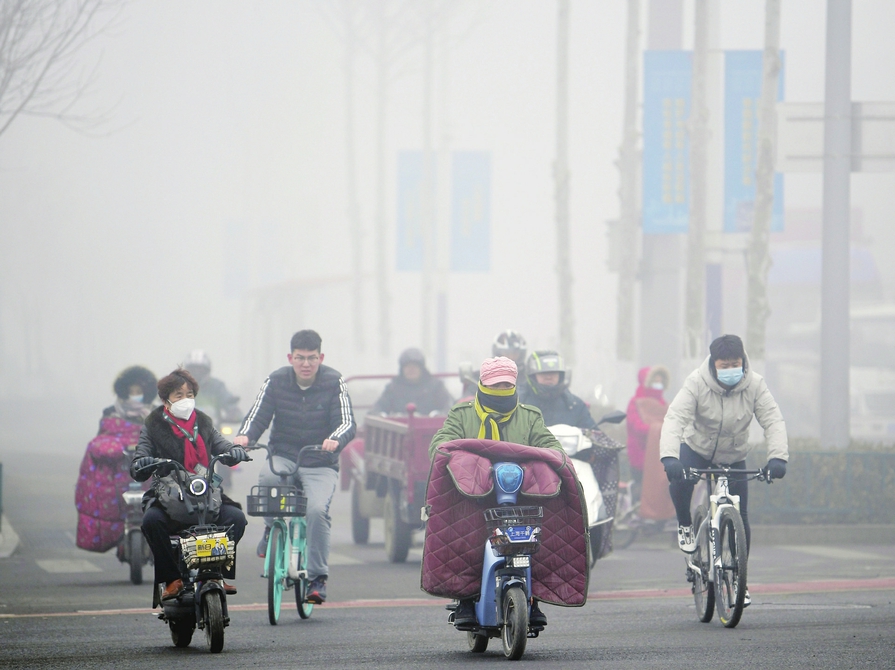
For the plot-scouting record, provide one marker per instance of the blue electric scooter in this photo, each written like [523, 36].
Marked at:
[504, 603]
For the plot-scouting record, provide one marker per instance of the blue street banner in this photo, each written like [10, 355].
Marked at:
[667, 86]
[742, 97]
[409, 238]
[471, 211]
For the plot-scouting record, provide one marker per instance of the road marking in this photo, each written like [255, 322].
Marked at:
[883, 583]
[836, 553]
[60, 565]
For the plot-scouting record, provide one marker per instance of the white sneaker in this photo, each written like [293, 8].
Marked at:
[686, 539]
[747, 599]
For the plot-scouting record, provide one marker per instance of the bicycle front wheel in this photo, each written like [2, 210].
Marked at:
[301, 585]
[701, 569]
[730, 578]
[276, 572]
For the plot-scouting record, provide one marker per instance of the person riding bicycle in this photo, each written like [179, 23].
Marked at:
[512, 345]
[217, 401]
[308, 403]
[178, 431]
[547, 388]
[495, 414]
[708, 423]
[414, 384]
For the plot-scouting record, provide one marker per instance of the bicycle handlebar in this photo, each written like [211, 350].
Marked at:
[309, 447]
[704, 473]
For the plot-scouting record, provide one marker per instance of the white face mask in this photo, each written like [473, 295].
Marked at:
[658, 386]
[136, 399]
[183, 408]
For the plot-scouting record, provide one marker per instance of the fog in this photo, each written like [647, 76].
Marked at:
[210, 209]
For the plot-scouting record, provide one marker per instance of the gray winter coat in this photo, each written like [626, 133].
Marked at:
[714, 421]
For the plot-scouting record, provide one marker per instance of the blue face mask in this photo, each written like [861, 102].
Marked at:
[730, 376]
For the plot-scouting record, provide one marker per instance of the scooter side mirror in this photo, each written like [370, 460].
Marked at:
[613, 417]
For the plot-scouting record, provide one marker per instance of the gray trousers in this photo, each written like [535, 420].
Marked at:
[319, 485]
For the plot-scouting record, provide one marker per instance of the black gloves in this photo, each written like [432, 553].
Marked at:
[143, 462]
[776, 469]
[674, 469]
[235, 455]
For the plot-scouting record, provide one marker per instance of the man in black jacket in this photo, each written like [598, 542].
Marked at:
[309, 404]
[547, 388]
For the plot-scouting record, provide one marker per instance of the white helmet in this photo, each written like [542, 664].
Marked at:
[197, 358]
[511, 344]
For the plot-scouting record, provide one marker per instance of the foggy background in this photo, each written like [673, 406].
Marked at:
[211, 209]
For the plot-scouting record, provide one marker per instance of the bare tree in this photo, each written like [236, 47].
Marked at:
[39, 71]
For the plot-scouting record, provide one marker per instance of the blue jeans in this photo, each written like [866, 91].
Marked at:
[319, 485]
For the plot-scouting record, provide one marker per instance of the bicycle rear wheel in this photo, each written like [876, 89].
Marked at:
[703, 592]
[276, 572]
[730, 578]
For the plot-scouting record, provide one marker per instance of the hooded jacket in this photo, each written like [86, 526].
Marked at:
[638, 429]
[714, 421]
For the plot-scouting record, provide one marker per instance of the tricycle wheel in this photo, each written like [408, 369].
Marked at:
[477, 643]
[360, 525]
[135, 547]
[181, 631]
[398, 535]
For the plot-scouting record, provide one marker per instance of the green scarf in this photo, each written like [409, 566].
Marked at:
[494, 407]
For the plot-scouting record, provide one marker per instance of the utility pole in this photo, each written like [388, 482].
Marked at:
[382, 73]
[759, 256]
[561, 178]
[628, 164]
[699, 139]
[427, 213]
[836, 239]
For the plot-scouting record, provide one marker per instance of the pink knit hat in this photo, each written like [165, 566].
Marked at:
[496, 370]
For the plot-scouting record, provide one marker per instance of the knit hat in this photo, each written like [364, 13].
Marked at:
[496, 370]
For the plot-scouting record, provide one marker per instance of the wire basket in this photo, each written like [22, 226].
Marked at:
[276, 501]
[515, 530]
[206, 549]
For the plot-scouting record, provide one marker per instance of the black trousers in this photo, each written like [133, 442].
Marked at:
[158, 527]
[682, 492]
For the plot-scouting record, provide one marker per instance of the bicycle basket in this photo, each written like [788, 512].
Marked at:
[276, 501]
[514, 530]
[206, 549]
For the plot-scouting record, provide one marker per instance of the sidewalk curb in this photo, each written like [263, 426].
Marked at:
[9, 539]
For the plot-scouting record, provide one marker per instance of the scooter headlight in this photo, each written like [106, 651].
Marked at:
[508, 477]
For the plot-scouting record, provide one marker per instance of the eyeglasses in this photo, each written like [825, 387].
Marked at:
[306, 359]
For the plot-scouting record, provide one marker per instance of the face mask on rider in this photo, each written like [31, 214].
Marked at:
[183, 408]
[659, 386]
[730, 376]
[135, 398]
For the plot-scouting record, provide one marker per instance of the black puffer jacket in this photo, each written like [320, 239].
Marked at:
[300, 418]
[558, 406]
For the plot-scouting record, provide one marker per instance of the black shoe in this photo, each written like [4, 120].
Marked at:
[317, 591]
[464, 615]
[537, 618]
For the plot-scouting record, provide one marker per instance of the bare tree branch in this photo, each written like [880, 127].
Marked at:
[39, 43]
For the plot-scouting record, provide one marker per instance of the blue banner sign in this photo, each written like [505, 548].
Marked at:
[667, 85]
[411, 179]
[742, 96]
[471, 211]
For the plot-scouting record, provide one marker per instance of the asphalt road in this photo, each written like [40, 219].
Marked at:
[61, 607]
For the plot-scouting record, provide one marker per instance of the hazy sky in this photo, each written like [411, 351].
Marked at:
[222, 172]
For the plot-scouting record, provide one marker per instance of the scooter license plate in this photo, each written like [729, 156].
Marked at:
[520, 533]
[211, 546]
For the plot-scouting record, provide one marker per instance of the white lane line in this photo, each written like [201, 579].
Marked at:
[62, 565]
[836, 553]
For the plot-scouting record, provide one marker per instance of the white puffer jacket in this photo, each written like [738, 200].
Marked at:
[714, 421]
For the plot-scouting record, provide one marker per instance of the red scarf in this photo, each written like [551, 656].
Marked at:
[193, 453]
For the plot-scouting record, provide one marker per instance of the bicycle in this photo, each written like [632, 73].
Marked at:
[717, 569]
[286, 564]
